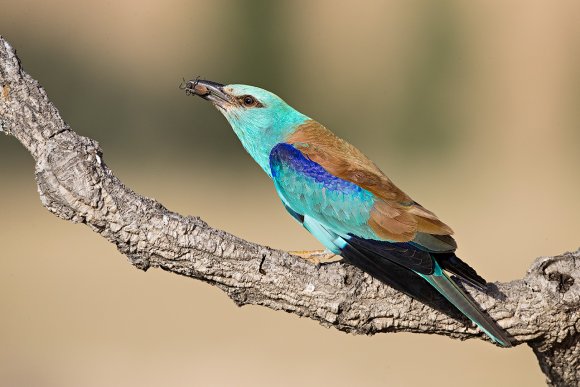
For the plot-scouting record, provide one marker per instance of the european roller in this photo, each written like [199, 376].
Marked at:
[348, 203]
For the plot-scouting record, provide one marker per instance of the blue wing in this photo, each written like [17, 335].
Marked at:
[334, 210]
[308, 189]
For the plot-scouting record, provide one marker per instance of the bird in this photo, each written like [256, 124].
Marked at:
[346, 202]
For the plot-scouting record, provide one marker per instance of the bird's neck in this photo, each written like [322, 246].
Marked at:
[259, 141]
[258, 148]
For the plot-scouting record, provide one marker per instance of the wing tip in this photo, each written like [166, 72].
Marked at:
[453, 264]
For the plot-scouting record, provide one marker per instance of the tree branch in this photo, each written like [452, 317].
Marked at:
[76, 185]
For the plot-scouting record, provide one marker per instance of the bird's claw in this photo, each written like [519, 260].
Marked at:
[317, 257]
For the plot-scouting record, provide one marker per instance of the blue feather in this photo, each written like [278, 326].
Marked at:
[307, 188]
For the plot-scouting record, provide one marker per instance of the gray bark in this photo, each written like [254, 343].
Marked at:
[74, 183]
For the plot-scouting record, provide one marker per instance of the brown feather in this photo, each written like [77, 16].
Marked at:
[392, 223]
[395, 216]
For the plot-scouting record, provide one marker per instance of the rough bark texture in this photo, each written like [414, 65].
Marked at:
[75, 184]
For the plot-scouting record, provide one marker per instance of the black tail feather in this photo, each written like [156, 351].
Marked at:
[401, 279]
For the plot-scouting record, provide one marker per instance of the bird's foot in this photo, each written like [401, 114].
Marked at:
[317, 257]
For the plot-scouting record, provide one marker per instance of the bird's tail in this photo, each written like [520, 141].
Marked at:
[452, 292]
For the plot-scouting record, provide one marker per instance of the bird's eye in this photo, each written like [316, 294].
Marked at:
[249, 101]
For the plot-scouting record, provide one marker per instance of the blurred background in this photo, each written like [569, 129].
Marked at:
[470, 107]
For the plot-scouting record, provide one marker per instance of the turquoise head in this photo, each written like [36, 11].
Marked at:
[259, 118]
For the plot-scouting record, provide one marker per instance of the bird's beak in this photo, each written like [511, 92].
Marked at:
[211, 91]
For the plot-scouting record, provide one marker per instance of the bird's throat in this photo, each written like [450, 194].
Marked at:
[259, 148]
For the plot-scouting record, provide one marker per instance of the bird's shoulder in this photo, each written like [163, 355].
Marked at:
[343, 160]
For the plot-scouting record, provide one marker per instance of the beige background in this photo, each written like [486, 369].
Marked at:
[471, 107]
